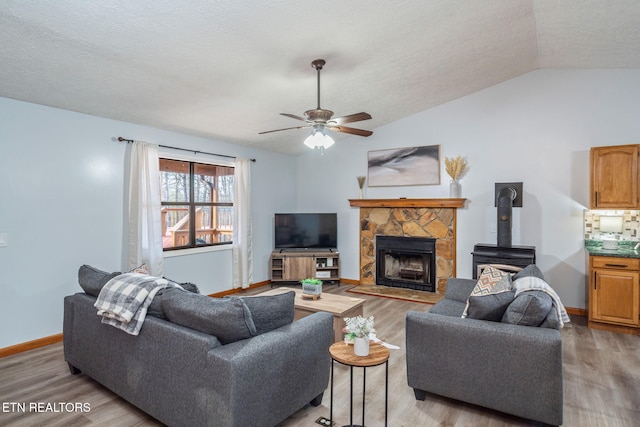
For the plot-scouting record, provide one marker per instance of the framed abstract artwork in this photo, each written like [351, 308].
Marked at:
[404, 166]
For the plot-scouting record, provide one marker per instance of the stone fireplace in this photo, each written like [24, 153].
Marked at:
[425, 218]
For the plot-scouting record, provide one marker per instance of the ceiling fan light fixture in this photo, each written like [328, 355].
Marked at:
[318, 138]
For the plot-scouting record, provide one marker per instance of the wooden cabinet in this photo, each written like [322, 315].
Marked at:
[294, 266]
[614, 177]
[614, 293]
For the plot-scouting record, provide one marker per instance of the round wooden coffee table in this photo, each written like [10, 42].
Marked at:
[343, 353]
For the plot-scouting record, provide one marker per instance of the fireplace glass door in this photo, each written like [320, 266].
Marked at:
[406, 262]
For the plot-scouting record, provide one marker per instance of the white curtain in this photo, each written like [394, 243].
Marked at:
[242, 239]
[145, 228]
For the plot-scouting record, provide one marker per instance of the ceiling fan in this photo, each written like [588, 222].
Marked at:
[320, 120]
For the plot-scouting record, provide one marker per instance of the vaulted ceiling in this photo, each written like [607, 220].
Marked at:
[226, 69]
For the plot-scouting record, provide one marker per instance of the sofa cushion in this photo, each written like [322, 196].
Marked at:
[491, 281]
[271, 312]
[459, 289]
[552, 321]
[228, 319]
[155, 308]
[191, 287]
[447, 307]
[489, 307]
[529, 308]
[529, 270]
[92, 280]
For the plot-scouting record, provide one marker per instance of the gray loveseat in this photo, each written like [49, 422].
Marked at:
[507, 367]
[185, 377]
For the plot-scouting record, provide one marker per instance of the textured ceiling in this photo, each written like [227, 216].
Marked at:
[225, 69]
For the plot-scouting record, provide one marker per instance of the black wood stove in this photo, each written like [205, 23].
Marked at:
[501, 257]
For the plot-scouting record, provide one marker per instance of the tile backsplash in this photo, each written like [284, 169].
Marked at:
[630, 225]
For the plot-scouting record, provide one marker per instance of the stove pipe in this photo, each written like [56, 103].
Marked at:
[506, 196]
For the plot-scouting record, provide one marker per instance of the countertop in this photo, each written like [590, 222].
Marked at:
[625, 249]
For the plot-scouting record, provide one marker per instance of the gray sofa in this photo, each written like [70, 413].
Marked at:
[185, 377]
[506, 367]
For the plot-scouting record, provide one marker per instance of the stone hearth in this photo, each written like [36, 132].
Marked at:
[435, 218]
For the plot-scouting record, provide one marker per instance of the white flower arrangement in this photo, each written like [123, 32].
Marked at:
[359, 326]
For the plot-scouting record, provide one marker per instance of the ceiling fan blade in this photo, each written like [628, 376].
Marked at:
[354, 131]
[278, 130]
[358, 117]
[293, 116]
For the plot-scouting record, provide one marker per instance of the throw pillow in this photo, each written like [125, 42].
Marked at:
[228, 319]
[92, 280]
[491, 281]
[530, 308]
[142, 269]
[272, 311]
[489, 307]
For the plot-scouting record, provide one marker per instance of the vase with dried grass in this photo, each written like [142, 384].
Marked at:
[456, 167]
[361, 185]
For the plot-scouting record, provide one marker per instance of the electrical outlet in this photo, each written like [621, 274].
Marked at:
[324, 422]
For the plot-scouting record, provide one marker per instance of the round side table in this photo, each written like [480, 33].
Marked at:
[343, 353]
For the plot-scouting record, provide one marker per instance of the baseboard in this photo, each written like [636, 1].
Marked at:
[238, 290]
[30, 345]
[341, 281]
[576, 311]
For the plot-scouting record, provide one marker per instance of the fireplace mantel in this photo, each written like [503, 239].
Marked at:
[407, 203]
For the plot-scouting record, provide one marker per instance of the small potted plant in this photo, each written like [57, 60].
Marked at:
[311, 287]
[359, 329]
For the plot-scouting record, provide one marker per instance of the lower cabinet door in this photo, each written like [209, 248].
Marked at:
[615, 296]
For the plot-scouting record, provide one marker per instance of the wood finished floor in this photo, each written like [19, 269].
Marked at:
[601, 384]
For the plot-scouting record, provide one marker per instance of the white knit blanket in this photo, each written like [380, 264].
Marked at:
[124, 300]
[532, 283]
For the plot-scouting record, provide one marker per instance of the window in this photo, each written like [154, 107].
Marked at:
[197, 204]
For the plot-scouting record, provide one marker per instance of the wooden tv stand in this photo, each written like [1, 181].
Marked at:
[293, 266]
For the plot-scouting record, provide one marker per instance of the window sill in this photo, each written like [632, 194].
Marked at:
[192, 251]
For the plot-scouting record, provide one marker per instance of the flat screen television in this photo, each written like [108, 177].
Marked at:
[299, 231]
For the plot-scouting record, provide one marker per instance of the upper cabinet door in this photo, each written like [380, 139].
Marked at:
[614, 177]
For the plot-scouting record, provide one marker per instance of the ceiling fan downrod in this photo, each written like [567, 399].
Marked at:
[318, 64]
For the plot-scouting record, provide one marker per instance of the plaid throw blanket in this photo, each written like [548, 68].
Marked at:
[124, 300]
[532, 283]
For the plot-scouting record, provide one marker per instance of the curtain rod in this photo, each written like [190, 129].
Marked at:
[129, 141]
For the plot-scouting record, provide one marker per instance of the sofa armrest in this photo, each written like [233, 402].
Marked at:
[510, 368]
[294, 360]
[459, 289]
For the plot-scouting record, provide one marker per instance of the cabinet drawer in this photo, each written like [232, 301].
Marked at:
[615, 263]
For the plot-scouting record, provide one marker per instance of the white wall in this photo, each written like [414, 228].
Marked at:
[61, 187]
[536, 129]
